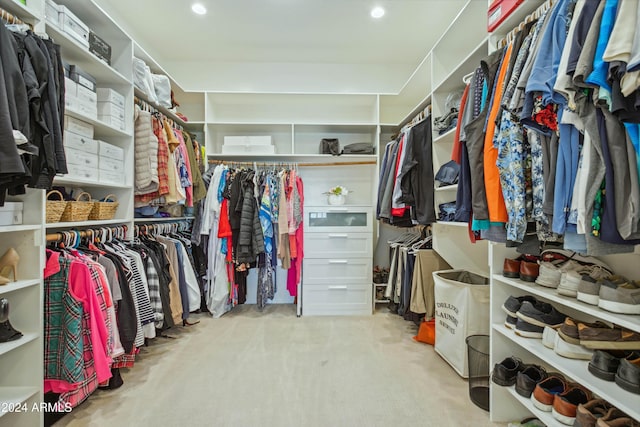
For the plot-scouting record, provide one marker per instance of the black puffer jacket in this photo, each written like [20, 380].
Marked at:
[251, 240]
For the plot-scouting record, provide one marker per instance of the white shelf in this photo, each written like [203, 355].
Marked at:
[85, 224]
[578, 371]
[76, 182]
[22, 227]
[414, 112]
[454, 81]
[545, 417]
[446, 189]
[18, 9]
[20, 284]
[101, 128]
[298, 158]
[74, 52]
[13, 396]
[453, 224]
[382, 301]
[445, 138]
[168, 219]
[626, 321]
[6, 347]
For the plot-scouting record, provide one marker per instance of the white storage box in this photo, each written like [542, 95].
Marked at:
[106, 94]
[81, 158]
[241, 141]
[248, 149]
[11, 213]
[110, 151]
[70, 88]
[462, 309]
[81, 172]
[111, 165]
[110, 109]
[81, 143]
[86, 95]
[87, 109]
[111, 177]
[113, 122]
[52, 13]
[78, 126]
[73, 26]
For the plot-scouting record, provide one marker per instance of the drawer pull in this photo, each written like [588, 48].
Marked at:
[338, 287]
[338, 236]
[338, 261]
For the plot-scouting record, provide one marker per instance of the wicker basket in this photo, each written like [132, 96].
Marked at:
[104, 210]
[78, 210]
[55, 208]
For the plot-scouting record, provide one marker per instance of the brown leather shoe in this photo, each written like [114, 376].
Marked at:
[545, 391]
[566, 404]
[511, 268]
[588, 413]
[616, 418]
[529, 271]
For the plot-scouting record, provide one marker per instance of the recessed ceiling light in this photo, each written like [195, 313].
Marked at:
[199, 8]
[377, 12]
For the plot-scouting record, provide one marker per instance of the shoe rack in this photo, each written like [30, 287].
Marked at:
[506, 404]
[21, 374]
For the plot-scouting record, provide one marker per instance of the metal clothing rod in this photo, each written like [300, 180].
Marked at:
[365, 162]
[65, 235]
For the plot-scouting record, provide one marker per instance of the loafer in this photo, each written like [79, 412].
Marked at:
[541, 314]
[628, 373]
[570, 281]
[605, 338]
[504, 373]
[545, 391]
[527, 379]
[587, 414]
[513, 304]
[616, 418]
[510, 322]
[621, 298]
[566, 404]
[569, 329]
[605, 364]
[511, 268]
[589, 288]
[527, 330]
[529, 271]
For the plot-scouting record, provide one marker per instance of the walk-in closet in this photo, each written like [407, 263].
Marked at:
[337, 213]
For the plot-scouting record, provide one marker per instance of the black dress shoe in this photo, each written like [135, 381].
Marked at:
[527, 379]
[628, 375]
[604, 364]
[7, 332]
[504, 373]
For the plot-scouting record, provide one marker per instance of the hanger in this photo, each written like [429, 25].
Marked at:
[467, 78]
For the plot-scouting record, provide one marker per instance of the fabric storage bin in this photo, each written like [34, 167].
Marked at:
[462, 309]
[11, 213]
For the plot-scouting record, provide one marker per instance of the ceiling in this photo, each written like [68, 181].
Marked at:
[286, 45]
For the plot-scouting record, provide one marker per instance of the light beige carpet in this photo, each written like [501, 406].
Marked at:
[274, 369]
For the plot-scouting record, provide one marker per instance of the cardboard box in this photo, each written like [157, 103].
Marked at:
[82, 172]
[108, 177]
[106, 94]
[247, 140]
[81, 158]
[112, 121]
[73, 26]
[111, 165]
[81, 143]
[109, 150]
[78, 127]
[11, 213]
[83, 78]
[99, 47]
[109, 109]
[499, 10]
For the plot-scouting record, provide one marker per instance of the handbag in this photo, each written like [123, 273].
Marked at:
[330, 146]
[358, 148]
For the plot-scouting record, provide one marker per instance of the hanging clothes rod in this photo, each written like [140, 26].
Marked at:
[535, 15]
[292, 165]
[65, 235]
[147, 105]
[10, 18]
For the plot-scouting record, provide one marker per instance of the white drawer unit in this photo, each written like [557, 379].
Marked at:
[336, 299]
[340, 245]
[336, 219]
[337, 270]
